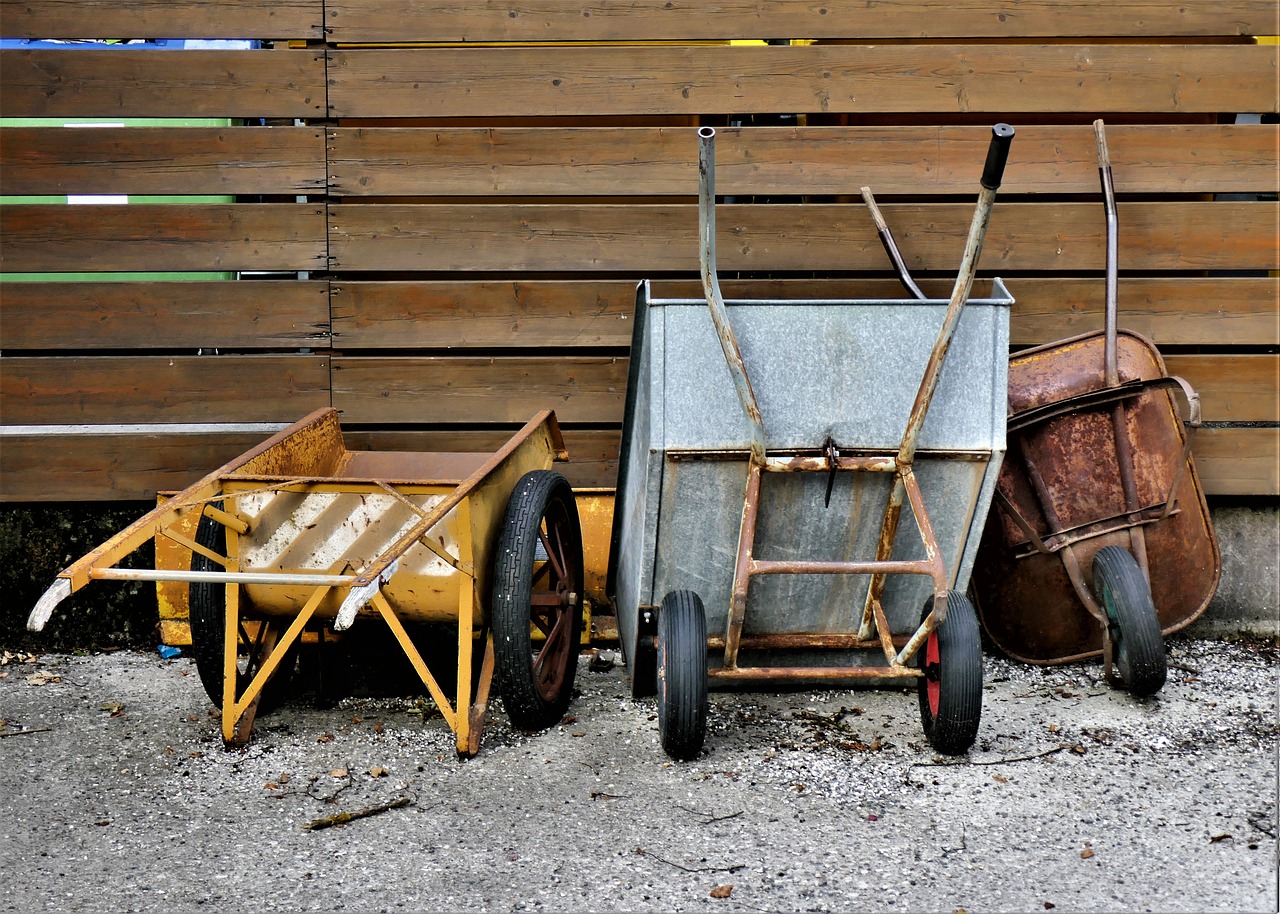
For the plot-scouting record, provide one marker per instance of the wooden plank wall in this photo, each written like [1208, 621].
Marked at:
[444, 233]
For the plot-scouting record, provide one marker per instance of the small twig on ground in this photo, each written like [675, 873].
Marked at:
[691, 869]
[28, 730]
[713, 819]
[343, 818]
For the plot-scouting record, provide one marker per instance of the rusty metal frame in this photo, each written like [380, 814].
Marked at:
[874, 628]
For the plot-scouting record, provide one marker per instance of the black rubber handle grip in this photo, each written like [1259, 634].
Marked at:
[997, 156]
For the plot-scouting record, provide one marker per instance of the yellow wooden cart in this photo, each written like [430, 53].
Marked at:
[300, 532]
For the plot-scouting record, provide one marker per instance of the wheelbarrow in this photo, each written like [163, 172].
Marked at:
[1099, 486]
[300, 532]
[775, 574]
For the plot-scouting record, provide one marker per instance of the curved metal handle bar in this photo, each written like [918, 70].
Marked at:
[711, 288]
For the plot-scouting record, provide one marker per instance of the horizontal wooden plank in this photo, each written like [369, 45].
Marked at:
[113, 467]
[124, 389]
[637, 20]
[1238, 461]
[475, 390]
[1232, 388]
[1220, 311]
[646, 238]
[162, 160]
[148, 83]
[490, 314]
[38, 238]
[165, 315]
[946, 78]
[487, 314]
[1239, 388]
[107, 467]
[163, 18]
[607, 161]
[122, 467]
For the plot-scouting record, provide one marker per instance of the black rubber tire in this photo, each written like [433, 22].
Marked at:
[207, 607]
[1138, 645]
[950, 691]
[682, 674]
[536, 681]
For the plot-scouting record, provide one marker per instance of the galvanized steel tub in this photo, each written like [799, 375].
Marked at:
[847, 370]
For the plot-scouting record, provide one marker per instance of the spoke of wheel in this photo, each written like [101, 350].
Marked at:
[554, 556]
[552, 649]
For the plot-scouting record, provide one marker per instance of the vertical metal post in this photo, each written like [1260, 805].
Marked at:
[1111, 376]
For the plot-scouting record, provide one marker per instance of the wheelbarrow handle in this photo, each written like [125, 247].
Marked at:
[997, 156]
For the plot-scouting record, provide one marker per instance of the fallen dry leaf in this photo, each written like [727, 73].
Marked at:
[378, 772]
[1000, 779]
[43, 678]
[338, 773]
[1217, 838]
[1086, 853]
[325, 738]
[722, 891]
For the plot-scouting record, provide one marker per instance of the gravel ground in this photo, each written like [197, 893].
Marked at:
[1075, 798]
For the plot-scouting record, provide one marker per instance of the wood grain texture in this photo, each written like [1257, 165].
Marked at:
[149, 83]
[588, 313]
[637, 20]
[385, 389]
[40, 238]
[1003, 79]
[247, 314]
[484, 314]
[663, 237]
[203, 18]
[603, 161]
[416, 389]
[1232, 388]
[162, 160]
[107, 467]
[128, 389]
[1238, 461]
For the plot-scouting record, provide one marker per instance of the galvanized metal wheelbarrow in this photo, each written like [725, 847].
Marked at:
[847, 386]
[301, 532]
[1099, 487]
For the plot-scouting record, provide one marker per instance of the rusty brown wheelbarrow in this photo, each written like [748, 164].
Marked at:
[1099, 541]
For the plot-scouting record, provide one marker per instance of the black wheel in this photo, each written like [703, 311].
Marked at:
[1134, 628]
[537, 583]
[682, 674]
[951, 687]
[207, 605]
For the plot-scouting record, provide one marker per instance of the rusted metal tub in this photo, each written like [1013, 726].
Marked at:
[301, 533]
[805, 578]
[1101, 541]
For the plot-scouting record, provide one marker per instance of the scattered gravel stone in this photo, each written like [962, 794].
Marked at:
[1076, 797]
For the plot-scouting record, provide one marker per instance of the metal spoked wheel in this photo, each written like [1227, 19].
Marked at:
[951, 688]
[537, 584]
[682, 674]
[1132, 623]
[207, 604]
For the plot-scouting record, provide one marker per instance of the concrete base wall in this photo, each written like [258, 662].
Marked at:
[38, 541]
[1248, 597]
